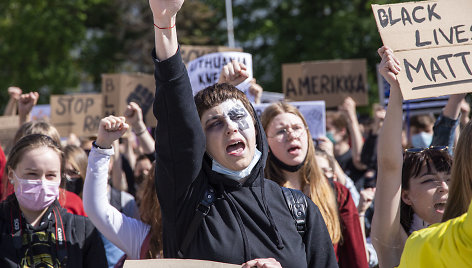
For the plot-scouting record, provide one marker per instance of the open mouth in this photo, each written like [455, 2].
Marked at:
[294, 149]
[440, 207]
[236, 148]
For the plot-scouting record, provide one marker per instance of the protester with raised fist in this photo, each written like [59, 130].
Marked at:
[211, 151]
[135, 237]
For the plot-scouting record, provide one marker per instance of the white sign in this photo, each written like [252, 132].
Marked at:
[313, 111]
[205, 70]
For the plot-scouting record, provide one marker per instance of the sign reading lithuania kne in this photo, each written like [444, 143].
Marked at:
[433, 42]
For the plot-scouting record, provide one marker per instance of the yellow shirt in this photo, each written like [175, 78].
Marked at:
[447, 244]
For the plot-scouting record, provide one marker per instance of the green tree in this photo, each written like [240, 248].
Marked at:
[39, 44]
[289, 31]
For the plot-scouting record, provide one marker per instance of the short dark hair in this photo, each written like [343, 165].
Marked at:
[412, 163]
[218, 93]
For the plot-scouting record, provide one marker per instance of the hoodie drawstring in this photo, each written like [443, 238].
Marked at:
[240, 223]
[280, 244]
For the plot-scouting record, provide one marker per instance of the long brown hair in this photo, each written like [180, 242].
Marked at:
[460, 190]
[314, 184]
[150, 212]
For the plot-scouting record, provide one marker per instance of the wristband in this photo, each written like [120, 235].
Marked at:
[94, 144]
[140, 132]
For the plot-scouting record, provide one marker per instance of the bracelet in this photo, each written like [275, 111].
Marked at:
[94, 144]
[160, 28]
[140, 132]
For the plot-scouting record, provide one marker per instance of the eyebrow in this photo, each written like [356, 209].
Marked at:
[213, 118]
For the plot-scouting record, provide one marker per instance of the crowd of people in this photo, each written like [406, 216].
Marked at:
[213, 181]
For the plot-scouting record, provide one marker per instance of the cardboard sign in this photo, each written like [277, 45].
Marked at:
[120, 89]
[205, 71]
[330, 81]
[8, 127]
[313, 111]
[79, 114]
[419, 106]
[172, 263]
[433, 42]
[190, 53]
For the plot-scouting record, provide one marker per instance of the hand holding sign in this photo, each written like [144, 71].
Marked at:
[110, 129]
[389, 66]
[233, 73]
[267, 262]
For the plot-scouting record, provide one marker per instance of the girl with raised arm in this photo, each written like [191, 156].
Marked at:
[412, 186]
[213, 145]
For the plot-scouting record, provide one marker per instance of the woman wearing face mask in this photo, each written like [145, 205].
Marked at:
[36, 231]
[75, 168]
[248, 221]
[292, 163]
[412, 186]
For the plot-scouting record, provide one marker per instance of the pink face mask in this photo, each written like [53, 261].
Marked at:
[36, 195]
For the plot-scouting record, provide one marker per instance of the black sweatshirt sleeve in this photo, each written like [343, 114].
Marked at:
[179, 135]
[318, 245]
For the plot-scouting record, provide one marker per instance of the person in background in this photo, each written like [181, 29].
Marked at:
[292, 163]
[214, 142]
[75, 168]
[412, 186]
[138, 148]
[139, 239]
[68, 200]
[36, 230]
[342, 128]
[448, 244]
[421, 130]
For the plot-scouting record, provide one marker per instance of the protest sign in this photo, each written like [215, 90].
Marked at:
[433, 42]
[41, 112]
[171, 263]
[205, 71]
[313, 111]
[79, 113]
[331, 81]
[120, 89]
[8, 127]
[412, 107]
[190, 53]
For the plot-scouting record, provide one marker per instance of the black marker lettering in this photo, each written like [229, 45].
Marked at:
[415, 18]
[431, 12]
[418, 42]
[446, 58]
[435, 69]
[419, 66]
[405, 16]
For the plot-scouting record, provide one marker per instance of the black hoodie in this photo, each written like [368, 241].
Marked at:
[83, 245]
[246, 221]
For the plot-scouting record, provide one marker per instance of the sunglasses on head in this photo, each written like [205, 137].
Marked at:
[420, 150]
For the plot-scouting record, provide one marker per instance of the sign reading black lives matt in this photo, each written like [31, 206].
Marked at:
[330, 81]
[433, 42]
